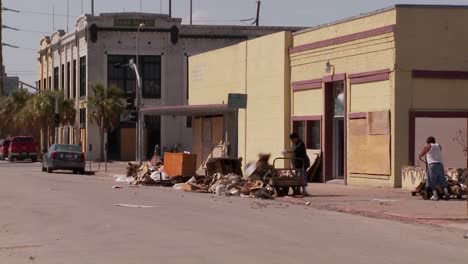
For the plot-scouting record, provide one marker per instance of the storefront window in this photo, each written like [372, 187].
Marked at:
[299, 128]
[313, 134]
[339, 99]
[309, 132]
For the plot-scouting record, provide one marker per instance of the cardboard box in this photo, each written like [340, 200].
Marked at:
[180, 164]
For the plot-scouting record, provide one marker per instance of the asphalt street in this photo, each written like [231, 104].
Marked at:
[66, 218]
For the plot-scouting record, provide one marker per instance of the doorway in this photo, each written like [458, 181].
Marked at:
[334, 131]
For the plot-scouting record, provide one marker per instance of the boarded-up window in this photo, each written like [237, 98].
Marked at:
[369, 153]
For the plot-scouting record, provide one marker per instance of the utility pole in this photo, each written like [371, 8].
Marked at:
[257, 19]
[53, 18]
[170, 8]
[68, 14]
[191, 12]
[2, 70]
[92, 7]
[81, 6]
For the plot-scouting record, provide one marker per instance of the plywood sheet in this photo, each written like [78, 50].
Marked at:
[197, 140]
[378, 123]
[367, 154]
[127, 143]
[206, 135]
[217, 130]
[358, 127]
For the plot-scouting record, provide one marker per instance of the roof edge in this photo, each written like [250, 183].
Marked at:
[344, 20]
[376, 12]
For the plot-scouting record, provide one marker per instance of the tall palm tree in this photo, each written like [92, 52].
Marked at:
[106, 105]
[10, 106]
[40, 111]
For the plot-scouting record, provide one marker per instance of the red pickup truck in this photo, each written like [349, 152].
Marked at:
[22, 148]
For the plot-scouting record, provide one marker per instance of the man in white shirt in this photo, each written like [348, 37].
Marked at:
[432, 152]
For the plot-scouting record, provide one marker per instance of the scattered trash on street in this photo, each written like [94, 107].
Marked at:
[136, 206]
[384, 200]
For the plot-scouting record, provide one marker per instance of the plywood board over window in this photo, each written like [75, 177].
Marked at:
[369, 145]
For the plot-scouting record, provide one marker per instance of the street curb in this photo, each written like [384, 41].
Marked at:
[375, 214]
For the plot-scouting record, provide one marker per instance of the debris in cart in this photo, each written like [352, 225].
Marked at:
[455, 188]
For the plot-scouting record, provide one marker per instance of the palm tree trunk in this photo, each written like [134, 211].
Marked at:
[53, 135]
[101, 134]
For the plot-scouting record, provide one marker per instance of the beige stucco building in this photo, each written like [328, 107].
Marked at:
[365, 91]
[258, 68]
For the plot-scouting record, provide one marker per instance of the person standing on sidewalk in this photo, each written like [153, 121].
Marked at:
[432, 152]
[301, 161]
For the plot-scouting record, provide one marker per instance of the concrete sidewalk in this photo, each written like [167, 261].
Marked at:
[113, 168]
[396, 204]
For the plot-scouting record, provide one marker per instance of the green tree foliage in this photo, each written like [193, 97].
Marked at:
[105, 105]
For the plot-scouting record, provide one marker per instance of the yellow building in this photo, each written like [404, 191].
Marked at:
[364, 91]
[374, 85]
[258, 68]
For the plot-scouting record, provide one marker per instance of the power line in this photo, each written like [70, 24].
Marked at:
[45, 13]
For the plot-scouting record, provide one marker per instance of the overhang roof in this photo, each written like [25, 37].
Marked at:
[188, 110]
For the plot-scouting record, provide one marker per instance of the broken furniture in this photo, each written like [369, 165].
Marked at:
[180, 164]
[224, 166]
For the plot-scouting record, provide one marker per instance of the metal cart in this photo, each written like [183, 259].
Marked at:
[285, 178]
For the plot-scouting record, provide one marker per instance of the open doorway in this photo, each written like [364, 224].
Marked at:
[334, 131]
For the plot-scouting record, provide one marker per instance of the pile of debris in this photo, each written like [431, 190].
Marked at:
[455, 189]
[228, 185]
[223, 177]
[146, 174]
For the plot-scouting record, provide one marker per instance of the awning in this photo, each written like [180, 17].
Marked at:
[188, 110]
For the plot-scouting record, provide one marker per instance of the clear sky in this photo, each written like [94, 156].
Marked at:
[35, 19]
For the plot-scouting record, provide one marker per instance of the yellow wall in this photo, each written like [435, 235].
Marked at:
[363, 55]
[348, 26]
[259, 68]
[309, 102]
[437, 94]
[428, 39]
[367, 97]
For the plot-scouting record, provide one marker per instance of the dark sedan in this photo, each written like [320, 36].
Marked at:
[64, 157]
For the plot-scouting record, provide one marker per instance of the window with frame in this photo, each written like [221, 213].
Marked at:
[82, 117]
[67, 87]
[83, 76]
[56, 78]
[309, 131]
[123, 77]
[50, 83]
[62, 76]
[119, 75]
[151, 75]
[74, 79]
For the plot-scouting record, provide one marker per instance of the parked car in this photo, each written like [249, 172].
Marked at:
[4, 145]
[22, 148]
[64, 157]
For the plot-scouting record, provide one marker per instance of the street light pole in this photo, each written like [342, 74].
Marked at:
[138, 94]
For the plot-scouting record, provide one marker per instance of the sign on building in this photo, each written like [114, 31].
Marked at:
[129, 22]
[237, 101]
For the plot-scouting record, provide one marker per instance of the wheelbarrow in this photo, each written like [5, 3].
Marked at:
[285, 178]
